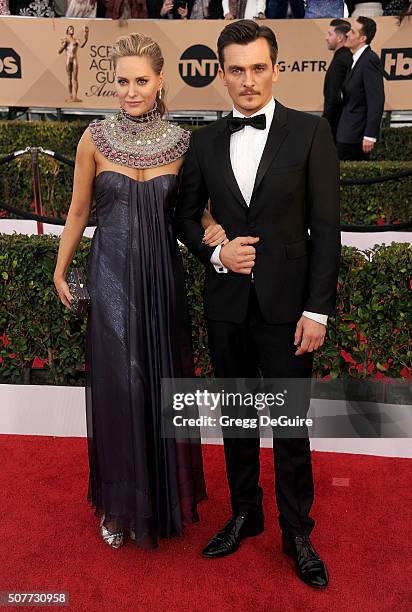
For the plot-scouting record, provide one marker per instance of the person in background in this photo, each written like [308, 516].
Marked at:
[336, 72]
[398, 8]
[318, 9]
[363, 95]
[244, 9]
[367, 9]
[81, 8]
[169, 9]
[4, 7]
[124, 9]
[278, 9]
[206, 9]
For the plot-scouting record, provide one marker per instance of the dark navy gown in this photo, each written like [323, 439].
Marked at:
[138, 332]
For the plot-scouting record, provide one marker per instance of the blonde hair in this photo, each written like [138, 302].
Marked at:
[141, 46]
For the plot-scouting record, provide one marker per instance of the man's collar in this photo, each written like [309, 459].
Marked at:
[268, 110]
[359, 52]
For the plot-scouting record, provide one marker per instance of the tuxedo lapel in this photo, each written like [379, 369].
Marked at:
[222, 156]
[277, 133]
[353, 70]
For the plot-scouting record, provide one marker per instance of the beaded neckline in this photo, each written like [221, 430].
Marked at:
[142, 142]
[151, 115]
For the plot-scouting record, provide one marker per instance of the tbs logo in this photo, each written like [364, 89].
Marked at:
[10, 64]
[397, 64]
[198, 66]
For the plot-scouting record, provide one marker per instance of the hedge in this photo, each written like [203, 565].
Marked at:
[395, 144]
[369, 338]
[388, 202]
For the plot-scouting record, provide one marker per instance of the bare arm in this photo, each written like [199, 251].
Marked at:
[64, 45]
[78, 214]
[214, 233]
[86, 36]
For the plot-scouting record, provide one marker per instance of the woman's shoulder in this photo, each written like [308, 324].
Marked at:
[179, 136]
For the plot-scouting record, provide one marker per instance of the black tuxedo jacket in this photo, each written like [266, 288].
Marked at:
[332, 86]
[296, 190]
[363, 100]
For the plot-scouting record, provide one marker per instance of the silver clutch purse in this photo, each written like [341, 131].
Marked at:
[76, 280]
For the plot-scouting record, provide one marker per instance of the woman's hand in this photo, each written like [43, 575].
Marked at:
[215, 235]
[63, 290]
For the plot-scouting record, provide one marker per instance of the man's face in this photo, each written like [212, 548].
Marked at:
[332, 39]
[249, 75]
[355, 38]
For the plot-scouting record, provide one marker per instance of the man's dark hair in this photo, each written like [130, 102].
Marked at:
[244, 32]
[368, 28]
[341, 26]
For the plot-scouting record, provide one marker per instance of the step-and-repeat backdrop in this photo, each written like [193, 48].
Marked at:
[36, 63]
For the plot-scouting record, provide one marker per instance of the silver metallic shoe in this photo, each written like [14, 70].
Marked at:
[112, 539]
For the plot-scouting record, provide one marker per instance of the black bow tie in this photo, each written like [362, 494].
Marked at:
[238, 123]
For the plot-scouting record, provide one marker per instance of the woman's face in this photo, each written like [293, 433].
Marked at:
[137, 84]
[70, 30]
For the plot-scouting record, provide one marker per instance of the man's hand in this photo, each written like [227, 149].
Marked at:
[238, 255]
[309, 335]
[367, 145]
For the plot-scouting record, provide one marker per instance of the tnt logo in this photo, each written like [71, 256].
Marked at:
[10, 64]
[397, 64]
[198, 66]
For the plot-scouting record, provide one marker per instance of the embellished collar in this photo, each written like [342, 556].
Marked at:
[140, 142]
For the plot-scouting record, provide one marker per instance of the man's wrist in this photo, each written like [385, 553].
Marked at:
[315, 316]
[216, 261]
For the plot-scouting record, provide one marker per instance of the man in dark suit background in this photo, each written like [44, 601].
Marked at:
[272, 175]
[363, 95]
[336, 72]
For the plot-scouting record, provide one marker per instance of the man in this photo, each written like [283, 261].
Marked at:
[271, 174]
[336, 72]
[363, 95]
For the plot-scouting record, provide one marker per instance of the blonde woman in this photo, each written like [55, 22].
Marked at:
[140, 483]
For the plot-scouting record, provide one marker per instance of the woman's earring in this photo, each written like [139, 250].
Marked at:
[160, 94]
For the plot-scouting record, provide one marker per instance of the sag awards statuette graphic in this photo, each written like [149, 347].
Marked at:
[101, 67]
[70, 44]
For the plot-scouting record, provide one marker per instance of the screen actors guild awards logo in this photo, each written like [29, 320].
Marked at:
[70, 45]
[198, 66]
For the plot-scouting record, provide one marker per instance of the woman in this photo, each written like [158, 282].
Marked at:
[138, 330]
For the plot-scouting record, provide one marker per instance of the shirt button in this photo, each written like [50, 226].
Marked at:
[252, 224]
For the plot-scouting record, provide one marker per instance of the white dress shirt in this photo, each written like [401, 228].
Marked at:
[355, 58]
[246, 148]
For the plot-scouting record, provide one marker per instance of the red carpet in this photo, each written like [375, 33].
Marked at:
[50, 542]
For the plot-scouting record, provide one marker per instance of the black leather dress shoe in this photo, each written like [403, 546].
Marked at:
[309, 566]
[227, 541]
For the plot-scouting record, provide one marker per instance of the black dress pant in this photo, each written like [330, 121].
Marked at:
[244, 350]
[351, 151]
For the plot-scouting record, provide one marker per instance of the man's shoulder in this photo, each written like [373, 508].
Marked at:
[343, 56]
[205, 133]
[301, 119]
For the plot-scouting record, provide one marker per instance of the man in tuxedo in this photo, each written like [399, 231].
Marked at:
[272, 175]
[363, 95]
[336, 72]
